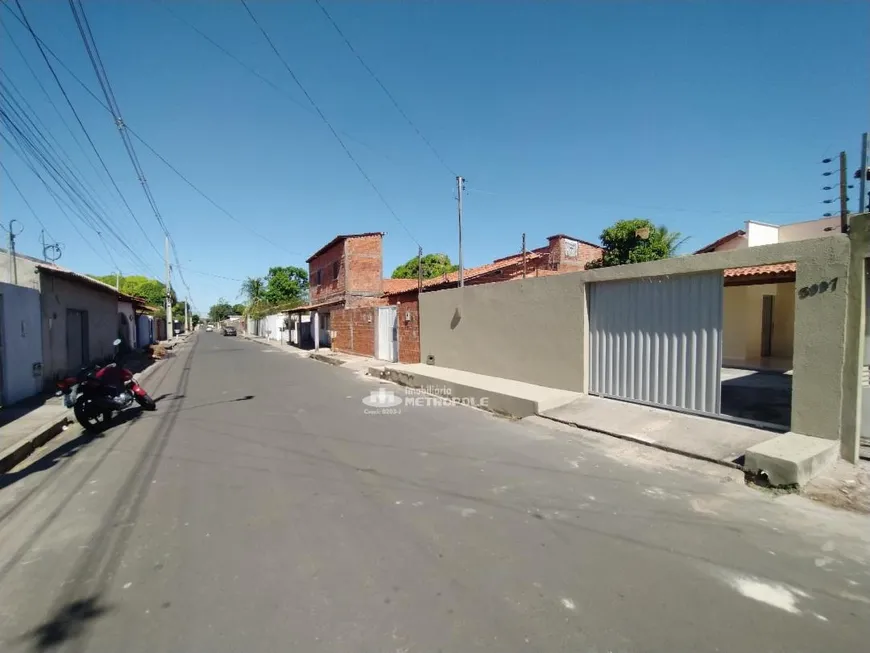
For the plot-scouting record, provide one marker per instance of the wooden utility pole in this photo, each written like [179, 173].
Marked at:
[524, 256]
[844, 200]
[460, 182]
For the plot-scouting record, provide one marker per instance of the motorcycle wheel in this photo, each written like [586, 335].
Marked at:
[90, 417]
[146, 402]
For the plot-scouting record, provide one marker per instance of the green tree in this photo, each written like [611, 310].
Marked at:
[285, 285]
[253, 289]
[238, 309]
[220, 311]
[151, 290]
[636, 241]
[195, 320]
[434, 265]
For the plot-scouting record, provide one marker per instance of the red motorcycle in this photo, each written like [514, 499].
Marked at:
[99, 392]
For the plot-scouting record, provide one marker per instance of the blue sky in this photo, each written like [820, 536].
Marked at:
[563, 116]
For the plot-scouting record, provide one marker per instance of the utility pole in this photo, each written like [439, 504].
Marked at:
[186, 316]
[419, 272]
[524, 256]
[460, 184]
[170, 326]
[844, 200]
[117, 280]
[13, 264]
[862, 184]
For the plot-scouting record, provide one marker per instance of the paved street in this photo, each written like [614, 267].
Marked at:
[263, 510]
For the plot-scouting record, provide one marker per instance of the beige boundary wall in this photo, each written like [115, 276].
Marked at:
[535, 330]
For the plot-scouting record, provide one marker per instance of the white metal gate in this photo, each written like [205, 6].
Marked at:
[387, 340]
[658, 340]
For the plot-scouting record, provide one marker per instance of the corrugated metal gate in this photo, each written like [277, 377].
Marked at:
[658, 340]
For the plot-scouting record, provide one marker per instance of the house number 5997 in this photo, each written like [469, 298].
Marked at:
[817, 288]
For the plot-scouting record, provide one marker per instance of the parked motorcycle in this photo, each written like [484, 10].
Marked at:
[99, 392]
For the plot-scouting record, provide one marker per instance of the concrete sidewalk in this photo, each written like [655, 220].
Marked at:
[698, 437]
[28, 425]
[359, 364]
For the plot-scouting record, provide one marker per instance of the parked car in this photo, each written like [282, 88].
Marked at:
[229, 330]
[209, 328]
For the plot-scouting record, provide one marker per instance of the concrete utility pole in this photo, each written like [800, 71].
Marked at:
[862, 183]
[460, 185]
[186, 316]
[170, 327]
[13, 264]
[844, 200]
[419, 272]
[117, 280]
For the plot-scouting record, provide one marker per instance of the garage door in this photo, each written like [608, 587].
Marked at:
[658, 341]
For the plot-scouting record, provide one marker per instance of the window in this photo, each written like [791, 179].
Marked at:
[318, 277]
[335, 270]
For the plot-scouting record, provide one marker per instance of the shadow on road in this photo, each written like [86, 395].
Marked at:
[71, 448]
[68, 623]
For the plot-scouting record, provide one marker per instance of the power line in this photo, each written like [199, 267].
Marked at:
[23, 19]
[24, 198]
[263, 78]
[52, 103]
[384, 88]
[326, 122]
[90, 44]
[102, 103]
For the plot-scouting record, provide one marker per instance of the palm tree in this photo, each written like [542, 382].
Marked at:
[672, 239]
[252, 290]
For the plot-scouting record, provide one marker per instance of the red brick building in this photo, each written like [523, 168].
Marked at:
[349, 294]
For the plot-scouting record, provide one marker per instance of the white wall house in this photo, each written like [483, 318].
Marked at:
[21, 374]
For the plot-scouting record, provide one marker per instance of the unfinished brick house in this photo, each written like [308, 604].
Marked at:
[355, 310]
[346, 273]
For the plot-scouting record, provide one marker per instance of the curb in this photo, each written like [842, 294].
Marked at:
[26, 446]
[646, 443]
[14, 454]
[329, 360]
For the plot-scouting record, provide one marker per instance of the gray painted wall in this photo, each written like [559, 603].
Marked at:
[21, 331]
[58, 295]
[534, 330]
[528, 330]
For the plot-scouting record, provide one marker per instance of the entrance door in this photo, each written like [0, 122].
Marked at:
[658, 340]
[766, 325]
[387, 339]
[76, 339]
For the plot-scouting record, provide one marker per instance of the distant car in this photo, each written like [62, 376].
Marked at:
[229, 331]
[209, 328]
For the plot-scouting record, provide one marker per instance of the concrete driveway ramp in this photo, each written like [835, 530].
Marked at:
[791, 458]
[503, 396]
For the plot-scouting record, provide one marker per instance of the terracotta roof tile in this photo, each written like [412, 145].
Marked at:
[724, 239]
[758, 270]
[393, 286]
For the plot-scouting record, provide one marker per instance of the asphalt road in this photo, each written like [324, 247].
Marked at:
[265, 509]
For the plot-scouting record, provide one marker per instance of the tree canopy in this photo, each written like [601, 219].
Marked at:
[151, 290]
[285, 285]
[221, 310]
[636, 241]
[434, 265]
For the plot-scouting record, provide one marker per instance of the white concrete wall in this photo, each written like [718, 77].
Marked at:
[126, 309]
[809, 229]
[758, 233]
[21, 332]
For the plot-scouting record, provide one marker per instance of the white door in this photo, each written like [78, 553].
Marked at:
[387, 345]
